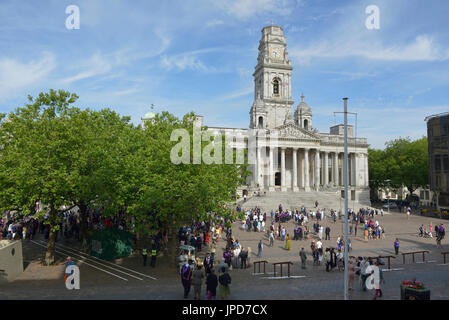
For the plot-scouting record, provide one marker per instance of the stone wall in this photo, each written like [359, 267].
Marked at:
[11, 259]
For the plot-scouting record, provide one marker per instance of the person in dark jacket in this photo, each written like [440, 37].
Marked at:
[211, 285]
[186, 276]
[243, 256]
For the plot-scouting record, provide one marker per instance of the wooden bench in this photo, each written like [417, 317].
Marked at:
[444, 256]
[288, 263]
[413, 255]
[258, 265]
[378, 259]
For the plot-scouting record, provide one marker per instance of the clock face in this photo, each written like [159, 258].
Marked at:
[276, 53]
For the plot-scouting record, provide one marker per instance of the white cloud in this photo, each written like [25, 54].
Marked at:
[16, 75]
[214, 23]
[187, 60]
[423, 48]
[243, 9]
[126, 92]
[96, 65]
[236, 94]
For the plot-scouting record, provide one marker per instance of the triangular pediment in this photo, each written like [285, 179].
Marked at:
[292, 131]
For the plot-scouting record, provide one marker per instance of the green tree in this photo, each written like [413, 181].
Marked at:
[402, 163]
[35, 159]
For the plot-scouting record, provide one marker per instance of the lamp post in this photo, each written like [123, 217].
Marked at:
[345, 164]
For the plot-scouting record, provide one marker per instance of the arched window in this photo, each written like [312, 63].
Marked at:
[276, 86]
[260, 122]
[306, 124]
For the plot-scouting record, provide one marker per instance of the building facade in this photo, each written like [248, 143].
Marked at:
[285, 151]
[438, 144]
[289, 153]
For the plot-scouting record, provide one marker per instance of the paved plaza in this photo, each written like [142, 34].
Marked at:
[128, 279]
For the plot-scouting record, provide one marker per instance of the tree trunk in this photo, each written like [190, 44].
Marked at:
[83, 221]
[50, 254]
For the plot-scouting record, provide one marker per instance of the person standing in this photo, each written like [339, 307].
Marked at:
[351, 274]
[288, 243]
[271, 239]
[303, 256]
[236, 256]
[259, 249]
[243, 257]
[153, 256]
[211, 285]
[378, 282]
[197, 280]
[208, 263]
[328, 233]
[186, 276]
[144, 255]
[396, 246]
[225, 281]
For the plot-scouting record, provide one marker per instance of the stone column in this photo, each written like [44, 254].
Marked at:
[301, 169]
[295, 170]
[354, 169]
[366, 171]
[326, 168]
[271, 188]
[335, 170]
[306, 170]
[283, 187]
[259, 167]
[317, 170]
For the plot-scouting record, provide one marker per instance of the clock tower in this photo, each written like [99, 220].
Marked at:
[272, 81]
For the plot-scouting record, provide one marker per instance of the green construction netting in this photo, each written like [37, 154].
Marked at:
[110, 244]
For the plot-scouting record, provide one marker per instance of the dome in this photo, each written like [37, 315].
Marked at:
[304, 107]
[149, 115]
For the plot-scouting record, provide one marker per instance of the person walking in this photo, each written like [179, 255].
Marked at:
[396, 246]
[259, 249]
[271, 239]
[225, 281]
[186, 276]
[197, 280]
[211, 285]
[303, 256]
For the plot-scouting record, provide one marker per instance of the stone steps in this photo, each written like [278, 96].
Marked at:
[294, 200]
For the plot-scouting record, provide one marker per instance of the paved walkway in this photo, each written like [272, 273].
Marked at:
[128, 279]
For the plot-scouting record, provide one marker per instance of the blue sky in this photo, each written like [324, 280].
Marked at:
[199, 55]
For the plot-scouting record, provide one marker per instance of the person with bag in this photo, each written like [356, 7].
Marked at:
[225, 281]
[186, 278]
